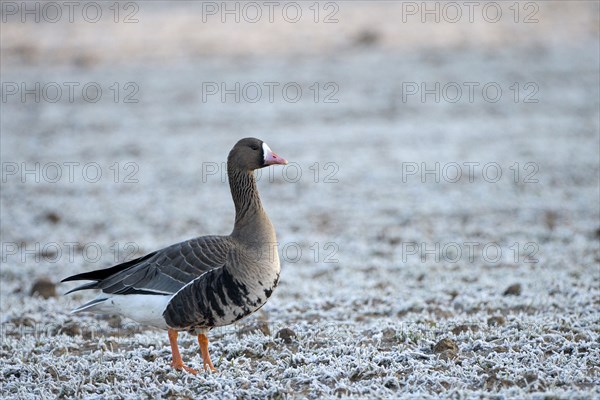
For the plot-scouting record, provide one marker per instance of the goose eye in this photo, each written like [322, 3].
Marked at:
[254, 147]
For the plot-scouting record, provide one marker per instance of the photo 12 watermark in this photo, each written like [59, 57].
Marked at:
[315, 252]
[55, 92]
[253, 12]
[21, 327]
[68, 252]
[470, 252]
[290, 252]
[452, 12]
[70, 172]
[469, 92]
[54, 12]
[293, 172]
[469, 171]
[269, 92]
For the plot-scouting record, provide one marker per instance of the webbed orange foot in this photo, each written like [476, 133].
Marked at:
[177, 362]
[203, 342]
[180, 366]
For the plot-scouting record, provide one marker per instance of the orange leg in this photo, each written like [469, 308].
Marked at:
[203, 342]
[177, 362]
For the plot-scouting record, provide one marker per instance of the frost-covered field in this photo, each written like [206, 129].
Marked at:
[397, 281]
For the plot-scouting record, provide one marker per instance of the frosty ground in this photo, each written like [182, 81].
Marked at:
[396, 282]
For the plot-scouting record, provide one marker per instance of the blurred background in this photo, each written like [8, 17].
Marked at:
[413, 128]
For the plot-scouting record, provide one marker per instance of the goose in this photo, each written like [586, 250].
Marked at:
[205, 282]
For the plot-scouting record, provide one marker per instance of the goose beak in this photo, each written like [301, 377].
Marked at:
[271, 158]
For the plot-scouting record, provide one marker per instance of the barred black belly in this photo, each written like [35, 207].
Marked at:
[214, 299]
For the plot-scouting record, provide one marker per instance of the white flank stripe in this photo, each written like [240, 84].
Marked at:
[146, 309]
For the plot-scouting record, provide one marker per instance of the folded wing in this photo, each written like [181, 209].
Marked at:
[161, 272]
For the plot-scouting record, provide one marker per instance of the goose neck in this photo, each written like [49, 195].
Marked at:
[248, 207]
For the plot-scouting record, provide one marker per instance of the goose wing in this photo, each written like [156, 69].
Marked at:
[161, 272]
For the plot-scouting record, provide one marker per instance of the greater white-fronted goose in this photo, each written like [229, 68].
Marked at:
[205, 282]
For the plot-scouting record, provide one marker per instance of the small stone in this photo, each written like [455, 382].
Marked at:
[464, 328]
[496, 321]
[389, 338]
[287, 335]
[550, 218]
[43, 287]
[530, 377]
[581, 337]
[70, 328]
[23, 321]
[445, 345]
[527, 379]
[513, 290]
[367, 38]
[446, 349]
[500, 349]
[388, 335]
[52, 217]
[356, 376]
[258, 326]
[394, 241]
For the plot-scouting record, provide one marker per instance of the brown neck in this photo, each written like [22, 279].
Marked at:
[248, 208]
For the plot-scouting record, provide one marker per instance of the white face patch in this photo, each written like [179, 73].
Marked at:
[266, 151]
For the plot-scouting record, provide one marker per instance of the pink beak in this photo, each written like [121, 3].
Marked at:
[273, 159]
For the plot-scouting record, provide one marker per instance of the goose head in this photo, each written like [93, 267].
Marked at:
[250, 153]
